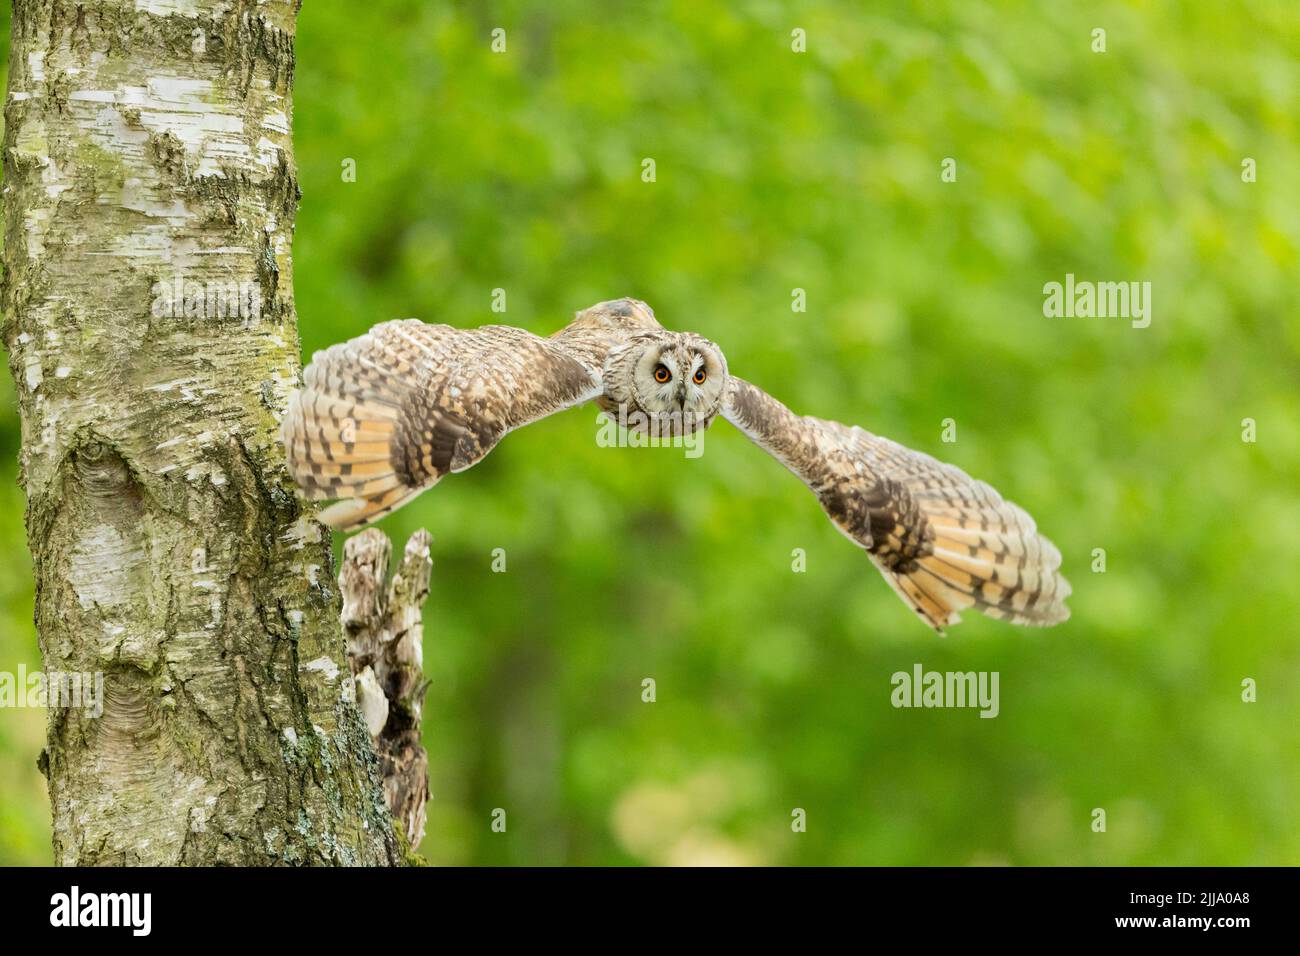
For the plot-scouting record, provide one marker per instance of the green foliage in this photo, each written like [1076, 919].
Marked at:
[778, 170]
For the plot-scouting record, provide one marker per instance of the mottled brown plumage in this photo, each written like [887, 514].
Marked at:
[385, 416]
[944, 541]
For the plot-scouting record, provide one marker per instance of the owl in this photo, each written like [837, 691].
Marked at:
[385, 416]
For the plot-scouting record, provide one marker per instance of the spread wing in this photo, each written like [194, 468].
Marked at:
[384, 416]
[944, 541]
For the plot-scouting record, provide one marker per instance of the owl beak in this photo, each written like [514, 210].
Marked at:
[681, 397]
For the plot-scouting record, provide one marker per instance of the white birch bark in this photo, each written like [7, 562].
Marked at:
[147, 143]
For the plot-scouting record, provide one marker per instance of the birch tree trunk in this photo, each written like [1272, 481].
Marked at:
[150, 195]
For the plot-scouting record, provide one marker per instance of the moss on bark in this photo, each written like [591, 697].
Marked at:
[148, 152]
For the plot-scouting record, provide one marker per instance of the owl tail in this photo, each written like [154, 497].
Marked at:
[989, 557]
[340, 431]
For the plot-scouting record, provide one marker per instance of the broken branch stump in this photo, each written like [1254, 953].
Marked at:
[384, 629]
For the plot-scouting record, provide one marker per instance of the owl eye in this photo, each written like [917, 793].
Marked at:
[700, 375]
[662, 374]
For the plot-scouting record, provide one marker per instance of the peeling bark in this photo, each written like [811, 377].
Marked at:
[148, 153]
[385, 639]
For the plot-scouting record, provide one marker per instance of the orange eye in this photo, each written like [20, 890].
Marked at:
[700, 375]
[662, 375]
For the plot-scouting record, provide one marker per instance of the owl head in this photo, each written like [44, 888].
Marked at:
[669, 381]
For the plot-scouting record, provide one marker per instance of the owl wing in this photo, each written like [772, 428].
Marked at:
[944, 541]
[384, 416]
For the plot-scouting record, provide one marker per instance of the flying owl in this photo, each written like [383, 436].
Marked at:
[385, 416]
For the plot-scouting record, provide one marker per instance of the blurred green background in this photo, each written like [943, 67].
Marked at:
[820, 170]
